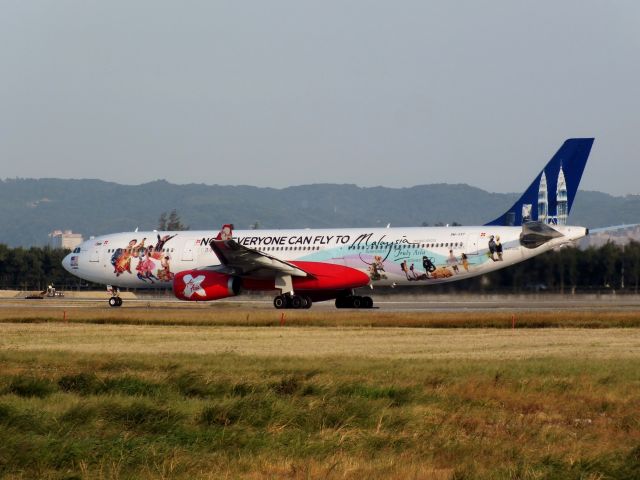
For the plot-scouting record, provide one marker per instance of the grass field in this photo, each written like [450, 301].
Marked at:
[124, 416]
[138, 399]
[233, 315]
[367, 342]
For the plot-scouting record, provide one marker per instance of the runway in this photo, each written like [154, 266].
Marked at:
[388, 303]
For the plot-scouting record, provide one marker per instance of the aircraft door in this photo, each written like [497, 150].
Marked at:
[95, 253]
[187, 252]
[471, 244]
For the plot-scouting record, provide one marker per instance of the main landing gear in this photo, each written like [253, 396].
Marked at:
[115, 300]
[354, 301]
[292, 301]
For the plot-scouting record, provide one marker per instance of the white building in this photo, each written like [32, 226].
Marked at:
[65, 239]
[562, 205]
[543, 201]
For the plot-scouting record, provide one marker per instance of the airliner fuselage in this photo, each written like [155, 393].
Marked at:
[389, 256]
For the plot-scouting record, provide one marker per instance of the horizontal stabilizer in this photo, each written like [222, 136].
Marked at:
[535, 234]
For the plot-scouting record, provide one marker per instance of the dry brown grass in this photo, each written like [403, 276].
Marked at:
[232, 315]
[323, 341]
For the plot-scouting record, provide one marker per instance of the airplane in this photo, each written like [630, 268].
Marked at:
[311, 265]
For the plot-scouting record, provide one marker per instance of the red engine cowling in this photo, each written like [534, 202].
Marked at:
[205, 285]
[323, 277]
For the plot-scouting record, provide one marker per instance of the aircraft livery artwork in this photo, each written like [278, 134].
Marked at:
[550, 197]
[312, 265]
[150, 262]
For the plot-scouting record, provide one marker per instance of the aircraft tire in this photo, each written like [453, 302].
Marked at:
[113, 302]
[296, 302]
[356, 302]
[308, 303]
[367, 302]
[280, 302]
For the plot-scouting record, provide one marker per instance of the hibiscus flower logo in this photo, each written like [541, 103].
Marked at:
[192, 285]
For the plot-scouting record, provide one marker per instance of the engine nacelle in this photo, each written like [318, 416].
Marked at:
[205, 285]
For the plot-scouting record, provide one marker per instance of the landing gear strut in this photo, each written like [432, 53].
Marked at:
[354, 301]
[115, 300]
[292, 301]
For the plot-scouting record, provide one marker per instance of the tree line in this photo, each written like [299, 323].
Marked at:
[607, 268]
[610, 267]
[34, 268]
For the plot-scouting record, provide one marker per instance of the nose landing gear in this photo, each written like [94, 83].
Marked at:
[115, 300]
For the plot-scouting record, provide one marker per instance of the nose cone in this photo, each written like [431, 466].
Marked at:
[66, 262]
[69, 261]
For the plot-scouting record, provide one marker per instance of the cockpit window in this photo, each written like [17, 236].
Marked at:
[76, 250]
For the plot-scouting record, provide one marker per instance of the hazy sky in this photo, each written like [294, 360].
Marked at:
[277, 93]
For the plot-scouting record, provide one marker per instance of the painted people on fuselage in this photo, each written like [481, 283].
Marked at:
[145, 266]
[492, 248]
[376, 269]
[404, 267]
[412, 269]
[452, 261]
[499, 248]
[164, 273]
[122, 257]
[162, 241]
[226, 233]
[428, 265]
[465, 262]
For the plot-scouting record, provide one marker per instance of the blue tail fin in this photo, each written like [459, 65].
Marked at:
[550, 197]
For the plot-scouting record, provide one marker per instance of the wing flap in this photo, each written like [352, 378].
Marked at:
[240, 260]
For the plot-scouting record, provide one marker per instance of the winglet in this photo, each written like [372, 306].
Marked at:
[226, 233]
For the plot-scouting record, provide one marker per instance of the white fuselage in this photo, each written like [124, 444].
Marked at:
[390, 256]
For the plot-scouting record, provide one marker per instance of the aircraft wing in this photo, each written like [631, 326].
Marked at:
[613, 228]
[237, 259]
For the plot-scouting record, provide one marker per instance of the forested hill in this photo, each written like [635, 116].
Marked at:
[30, 209]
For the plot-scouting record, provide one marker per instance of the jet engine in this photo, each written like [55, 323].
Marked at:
[205, 285]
